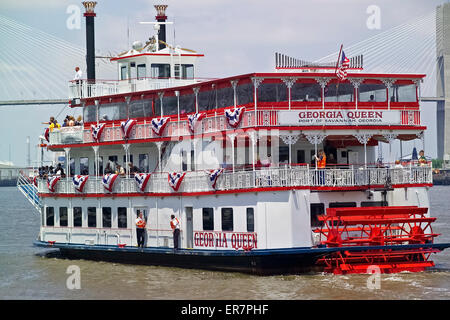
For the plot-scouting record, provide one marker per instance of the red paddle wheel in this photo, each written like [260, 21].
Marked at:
[375, 227]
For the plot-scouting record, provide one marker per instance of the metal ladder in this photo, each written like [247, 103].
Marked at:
[29, 190]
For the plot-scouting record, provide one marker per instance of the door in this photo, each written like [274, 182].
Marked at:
[189, 228]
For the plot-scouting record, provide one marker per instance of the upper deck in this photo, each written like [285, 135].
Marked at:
[279, 100]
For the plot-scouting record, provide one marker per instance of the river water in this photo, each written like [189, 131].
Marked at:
[27, 272]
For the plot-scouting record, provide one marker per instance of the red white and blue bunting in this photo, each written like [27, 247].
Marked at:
[158, 125]
[46, 134]
[213, 175]
[108, 181]
[96, 131]
[127, 126]
[193, 119]
[175, 179]
[141, 180]
[51, 182]
[79, 182]
[234, 116]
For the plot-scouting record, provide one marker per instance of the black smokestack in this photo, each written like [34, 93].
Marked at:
[161, 17]
[90, 39]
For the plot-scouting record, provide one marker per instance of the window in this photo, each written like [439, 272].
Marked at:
[206, 100]
[84, 166]
[316, 209]
[374, 204]
[187, 71]
[141, 71]
[272, 92]
[112, 111]
[227, 219]
[122, 217]
[72, 167]
[342, 204]
[106, 217]
[50, 216]
[225, 97]
[77, 216]
[244, 93]
[306, 92]
[250, 220]
[187, 103]
[100, 165]
[92, 217]
[342, 92]
[170, 105]
[143, 163]
[123, 73]
[130, 159]
[403, 93]
[208, 219]
[63, 219]
[284, 154]
[372, 92]
[192, 160]
[301, 156]
[160, 70]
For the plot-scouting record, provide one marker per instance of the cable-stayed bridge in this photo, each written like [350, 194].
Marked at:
[35, 66]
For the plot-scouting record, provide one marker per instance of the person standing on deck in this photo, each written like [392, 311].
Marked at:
[140, 229]
[175, 225]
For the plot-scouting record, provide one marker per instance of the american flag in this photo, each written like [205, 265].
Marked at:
[341, 72]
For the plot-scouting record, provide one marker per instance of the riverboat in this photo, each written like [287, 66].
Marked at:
[239, 162]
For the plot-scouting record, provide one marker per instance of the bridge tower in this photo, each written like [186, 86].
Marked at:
[443, 80]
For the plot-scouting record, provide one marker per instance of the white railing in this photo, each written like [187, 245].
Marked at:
[265, 178]
[86, 89]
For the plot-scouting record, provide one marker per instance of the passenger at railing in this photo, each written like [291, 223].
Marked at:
[65, 123]
[133, 169]
[119, 170]
[422, 160]
[59, 170]
[52, 124]
[321, 160]
[108, 169]
[321, 164]
[398, 164]
[371, 98]
[105, 117]
[79, 121]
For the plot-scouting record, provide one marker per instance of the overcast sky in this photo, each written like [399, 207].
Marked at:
[236, 36]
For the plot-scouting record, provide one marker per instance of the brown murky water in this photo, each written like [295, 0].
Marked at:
[27, 272]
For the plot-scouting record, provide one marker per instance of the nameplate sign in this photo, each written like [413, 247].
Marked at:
[338, 117]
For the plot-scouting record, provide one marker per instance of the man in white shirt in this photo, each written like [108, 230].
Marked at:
[78, 74]
[175, 225]
[77, 79]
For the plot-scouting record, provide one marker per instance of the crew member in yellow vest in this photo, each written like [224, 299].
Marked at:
[140, 229]
[175, 225]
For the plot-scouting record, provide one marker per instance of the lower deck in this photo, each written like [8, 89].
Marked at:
[237, 221]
